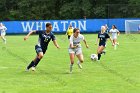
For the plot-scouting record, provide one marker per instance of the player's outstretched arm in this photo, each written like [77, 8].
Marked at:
[118, 33]
[85, 43]
[111, 41]
[97, 40]
[55, 43]
[27, 36]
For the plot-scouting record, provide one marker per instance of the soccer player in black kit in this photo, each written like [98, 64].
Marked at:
[44, 38]
[102, 38]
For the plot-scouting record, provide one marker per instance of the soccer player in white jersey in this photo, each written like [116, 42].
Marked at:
[75, 48]
[115, 33]
[3, 32]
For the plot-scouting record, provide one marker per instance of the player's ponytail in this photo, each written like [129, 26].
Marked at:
[114, 26]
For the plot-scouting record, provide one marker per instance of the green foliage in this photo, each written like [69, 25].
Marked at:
[67, 9]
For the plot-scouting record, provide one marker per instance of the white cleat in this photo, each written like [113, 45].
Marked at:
[70, 72]
[79, 65]
[33, 68]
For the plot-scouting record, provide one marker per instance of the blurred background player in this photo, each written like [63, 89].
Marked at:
[107, 29]
[102, 38]
[3, 32]
[75, 48]
[139, 29]
[41, 47]
[69, 31]
[114, 32]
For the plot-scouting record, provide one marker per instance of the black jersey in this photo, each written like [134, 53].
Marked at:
[44, 38]
[103, 38]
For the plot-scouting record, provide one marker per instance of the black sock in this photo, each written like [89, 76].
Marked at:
[99, 56]
[36, 62]
[103, 52]
[30, 65]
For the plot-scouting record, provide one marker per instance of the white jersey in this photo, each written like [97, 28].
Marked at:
[3, 30]
[114, 33]
[76, 41]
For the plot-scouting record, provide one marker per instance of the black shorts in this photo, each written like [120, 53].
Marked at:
[68, 36]
[38, 49]
[102, 44]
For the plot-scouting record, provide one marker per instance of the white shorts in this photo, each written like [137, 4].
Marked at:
[3, 33]
[114, 37]
[76, 51]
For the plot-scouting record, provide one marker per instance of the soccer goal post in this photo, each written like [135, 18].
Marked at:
[132, 26]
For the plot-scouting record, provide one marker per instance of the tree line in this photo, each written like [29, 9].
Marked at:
[67, 9]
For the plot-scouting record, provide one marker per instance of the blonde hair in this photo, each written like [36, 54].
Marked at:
[103, 28]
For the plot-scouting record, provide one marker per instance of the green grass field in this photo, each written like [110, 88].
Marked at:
[117, 72]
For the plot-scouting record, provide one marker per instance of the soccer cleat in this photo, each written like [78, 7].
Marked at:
[98, 60]
[70, 72]
[33, 68]
[79, 65]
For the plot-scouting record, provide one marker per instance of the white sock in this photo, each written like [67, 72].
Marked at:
[78, 62]
[71, 65]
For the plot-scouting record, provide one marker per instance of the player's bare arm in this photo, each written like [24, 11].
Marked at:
[97, 40]
[85, 43]
[55, 43]
[27, 36]
[111, 41]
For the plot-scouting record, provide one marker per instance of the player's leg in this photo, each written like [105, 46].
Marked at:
[72, 55]
[80, 60]
[115, 43]
[3, 37]
[99, 51]
[68, 36]
[35, 62]
[80, 57]
[38, 57]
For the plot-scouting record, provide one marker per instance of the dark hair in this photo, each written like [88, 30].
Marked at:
[48, 24]
[75, 29]
[114, 26]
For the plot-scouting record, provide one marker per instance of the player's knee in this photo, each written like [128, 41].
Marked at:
[98, 52]
[82, 60]
[72, 62]
[40, 56]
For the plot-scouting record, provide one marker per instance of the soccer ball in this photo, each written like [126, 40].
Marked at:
[94, 57]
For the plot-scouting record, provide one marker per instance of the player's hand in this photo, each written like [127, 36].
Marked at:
[58, 46]
[26, 37]
[112, 44]
[87, 46]
[75, 46]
